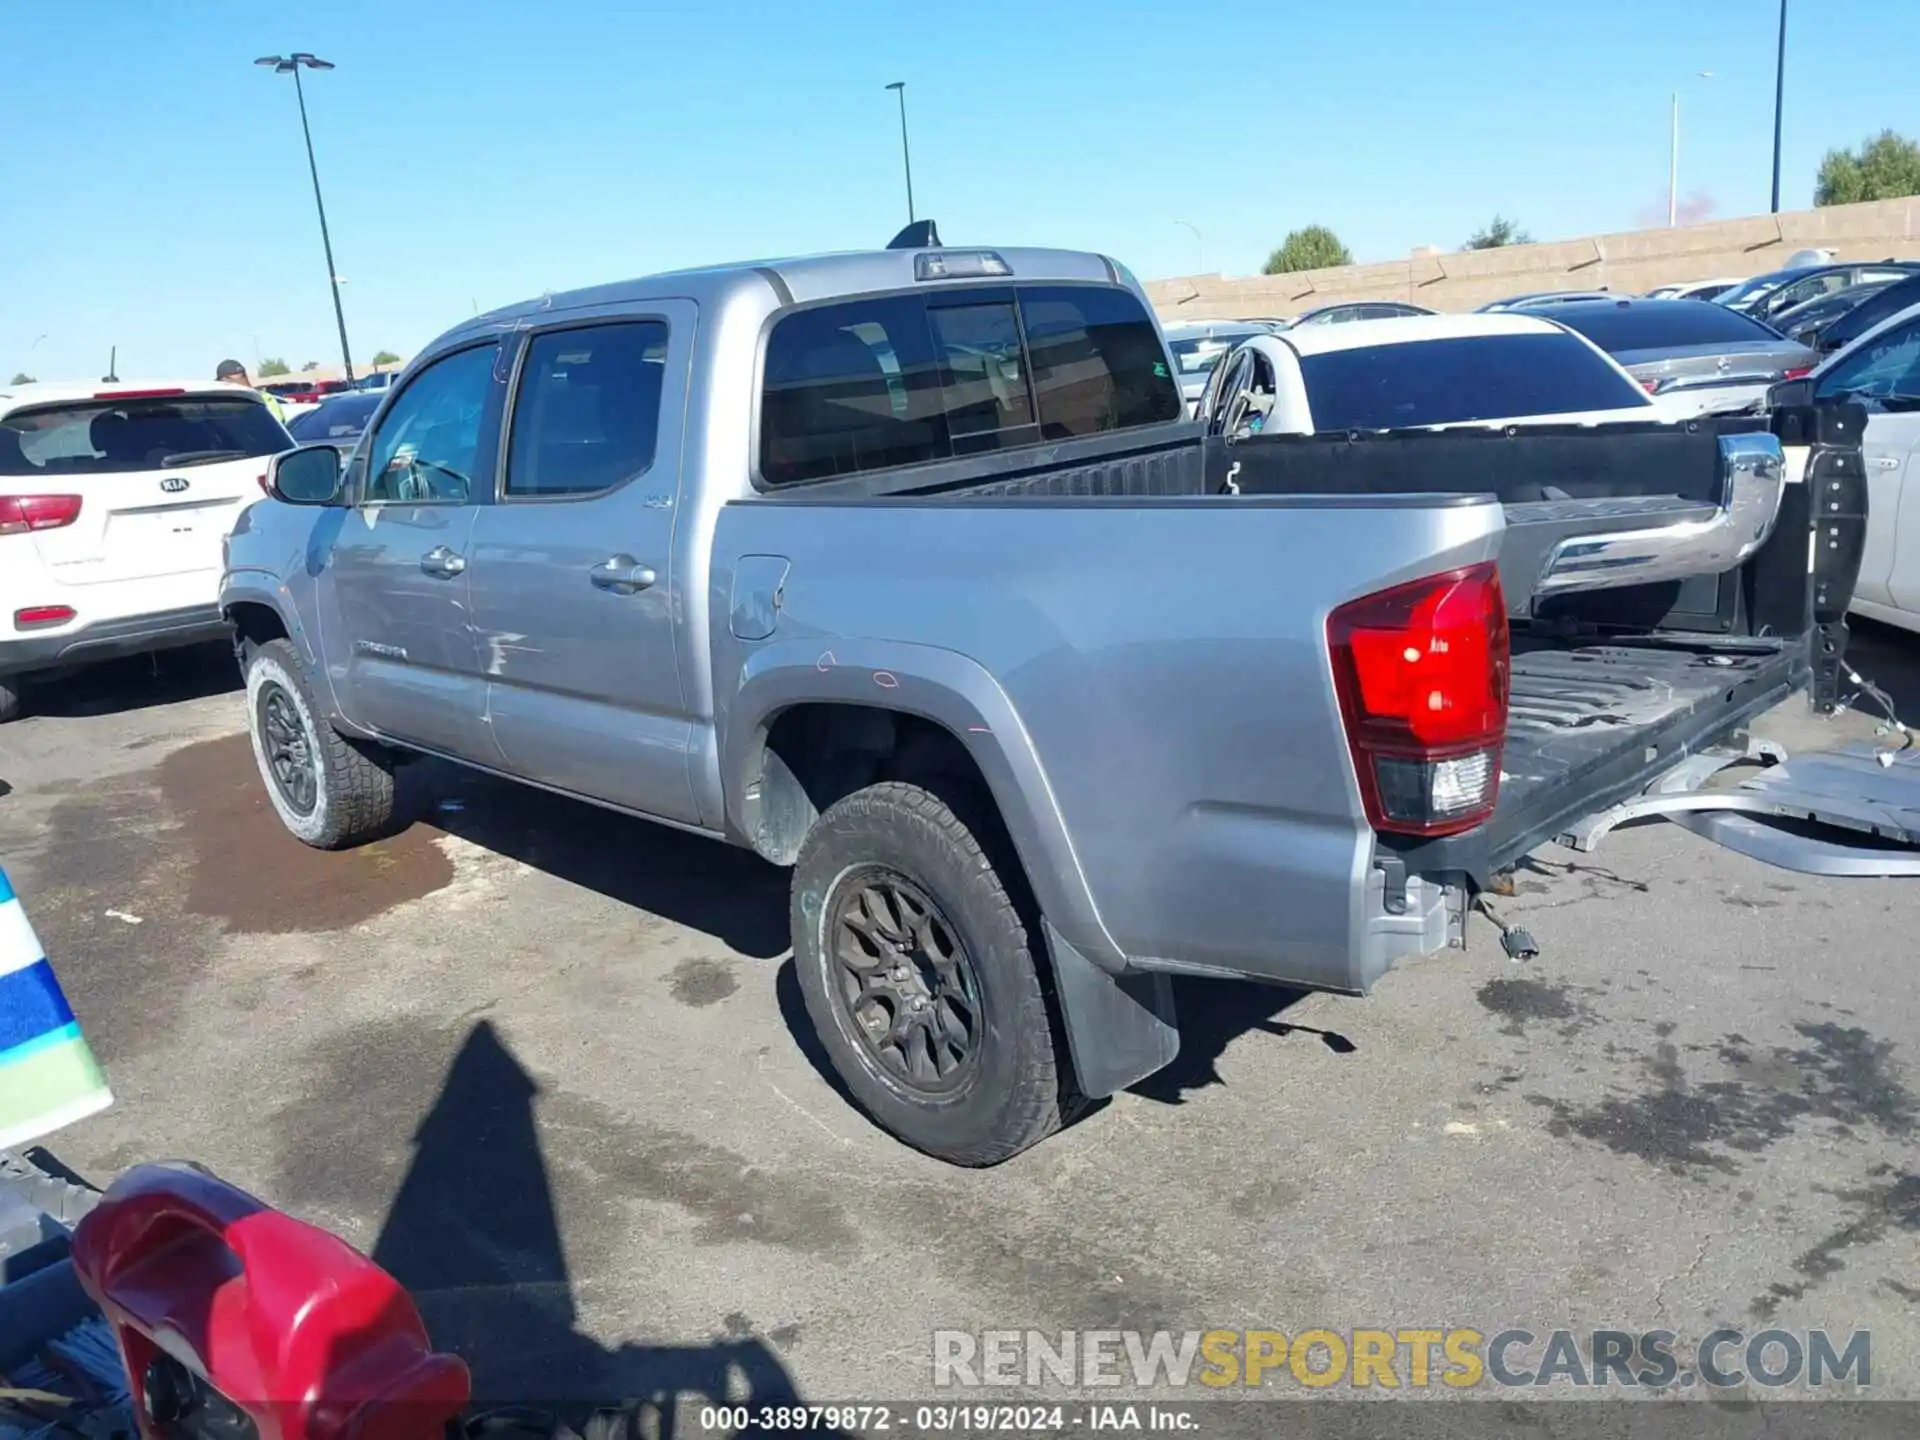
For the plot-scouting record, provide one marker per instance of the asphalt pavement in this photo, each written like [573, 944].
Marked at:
[550, 1066]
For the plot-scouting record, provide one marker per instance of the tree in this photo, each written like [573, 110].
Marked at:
[21, 377]
[1497, 232]
[272, 365]
[1884, 168]
[309, 365]
[384, 357]
[1311, 247]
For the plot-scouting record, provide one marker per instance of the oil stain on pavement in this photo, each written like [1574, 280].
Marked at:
[248, 873]
[1520, 1001]
[128, 871]
[700, 980]
[1838, 1074]
[1892, 1202]
[194, 835]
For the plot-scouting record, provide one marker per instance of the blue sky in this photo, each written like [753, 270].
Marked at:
[476, 152]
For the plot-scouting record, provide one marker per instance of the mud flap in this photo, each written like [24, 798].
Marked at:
[1120, 1028]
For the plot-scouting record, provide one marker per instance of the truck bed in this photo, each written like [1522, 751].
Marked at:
[1591, 724]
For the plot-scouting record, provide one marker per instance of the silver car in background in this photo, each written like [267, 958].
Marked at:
[1693, 357]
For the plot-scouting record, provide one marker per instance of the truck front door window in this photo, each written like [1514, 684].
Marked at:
[424, 451]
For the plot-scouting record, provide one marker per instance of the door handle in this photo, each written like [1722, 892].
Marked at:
[622, 574]
[1888, 462]
[442, 562]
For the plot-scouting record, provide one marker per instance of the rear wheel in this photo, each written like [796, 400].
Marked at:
[9, 698]
[329, 791]
[918, 972]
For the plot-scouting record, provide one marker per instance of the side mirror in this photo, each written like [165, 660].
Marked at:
[310, 475]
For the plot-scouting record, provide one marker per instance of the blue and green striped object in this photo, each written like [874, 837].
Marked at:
[48, 1077]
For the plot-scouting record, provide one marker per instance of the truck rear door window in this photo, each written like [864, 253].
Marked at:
[1097, 361]
[1447, 382]
[587, 415]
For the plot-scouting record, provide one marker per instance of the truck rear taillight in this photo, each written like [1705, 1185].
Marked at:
[21, 513]
[1421, 671]
[40, 617]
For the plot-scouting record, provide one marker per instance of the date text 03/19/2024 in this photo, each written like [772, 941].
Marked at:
[958, 1418]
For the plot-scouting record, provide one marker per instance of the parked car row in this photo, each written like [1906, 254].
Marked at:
[1616, 358]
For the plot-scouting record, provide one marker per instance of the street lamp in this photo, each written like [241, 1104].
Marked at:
[292, 65]
[1673, 158]
[1199, 247]
[899, 87]
[1779, 96]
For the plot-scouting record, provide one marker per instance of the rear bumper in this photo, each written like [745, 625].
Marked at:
[107, 639]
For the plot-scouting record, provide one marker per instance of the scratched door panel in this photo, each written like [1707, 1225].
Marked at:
[571, 582]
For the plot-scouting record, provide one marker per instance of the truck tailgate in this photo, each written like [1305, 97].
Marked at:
[1590, 725]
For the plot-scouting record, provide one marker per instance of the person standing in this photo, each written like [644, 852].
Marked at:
[232, 372]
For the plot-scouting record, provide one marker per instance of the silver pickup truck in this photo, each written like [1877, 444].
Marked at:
[907, 569]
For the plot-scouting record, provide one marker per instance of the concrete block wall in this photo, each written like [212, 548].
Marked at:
[1629, 262]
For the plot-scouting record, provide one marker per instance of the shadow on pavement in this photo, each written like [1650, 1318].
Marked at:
[165, 677]
[1890, 658]
[474, 1237]
[1215, 1013]
[728, 893]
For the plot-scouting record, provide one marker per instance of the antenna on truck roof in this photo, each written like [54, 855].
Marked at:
[920, 235]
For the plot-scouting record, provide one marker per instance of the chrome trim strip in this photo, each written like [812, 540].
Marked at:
[1752, 476]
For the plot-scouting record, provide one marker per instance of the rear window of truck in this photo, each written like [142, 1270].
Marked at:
[1456, 381]
[911, 379]
[110, 437]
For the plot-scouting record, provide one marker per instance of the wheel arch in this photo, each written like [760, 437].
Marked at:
[809, 724]
[257, 609]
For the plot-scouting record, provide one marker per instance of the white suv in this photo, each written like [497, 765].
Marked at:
[114, 500]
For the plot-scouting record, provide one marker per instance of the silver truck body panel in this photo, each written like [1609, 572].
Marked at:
[1054, 641]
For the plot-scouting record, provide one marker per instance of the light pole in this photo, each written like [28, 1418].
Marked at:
[899, 87]
[292, 65]
[1199, 247]
[1673, 158]
[1779, 96]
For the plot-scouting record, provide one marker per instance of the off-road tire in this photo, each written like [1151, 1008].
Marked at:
[1022, 1088]
[9, 698]
[353, 800]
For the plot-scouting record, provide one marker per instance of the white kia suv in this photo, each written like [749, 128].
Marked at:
[114, 500]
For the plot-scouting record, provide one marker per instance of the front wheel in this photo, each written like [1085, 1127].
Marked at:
[328, 790]
[919, 975]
